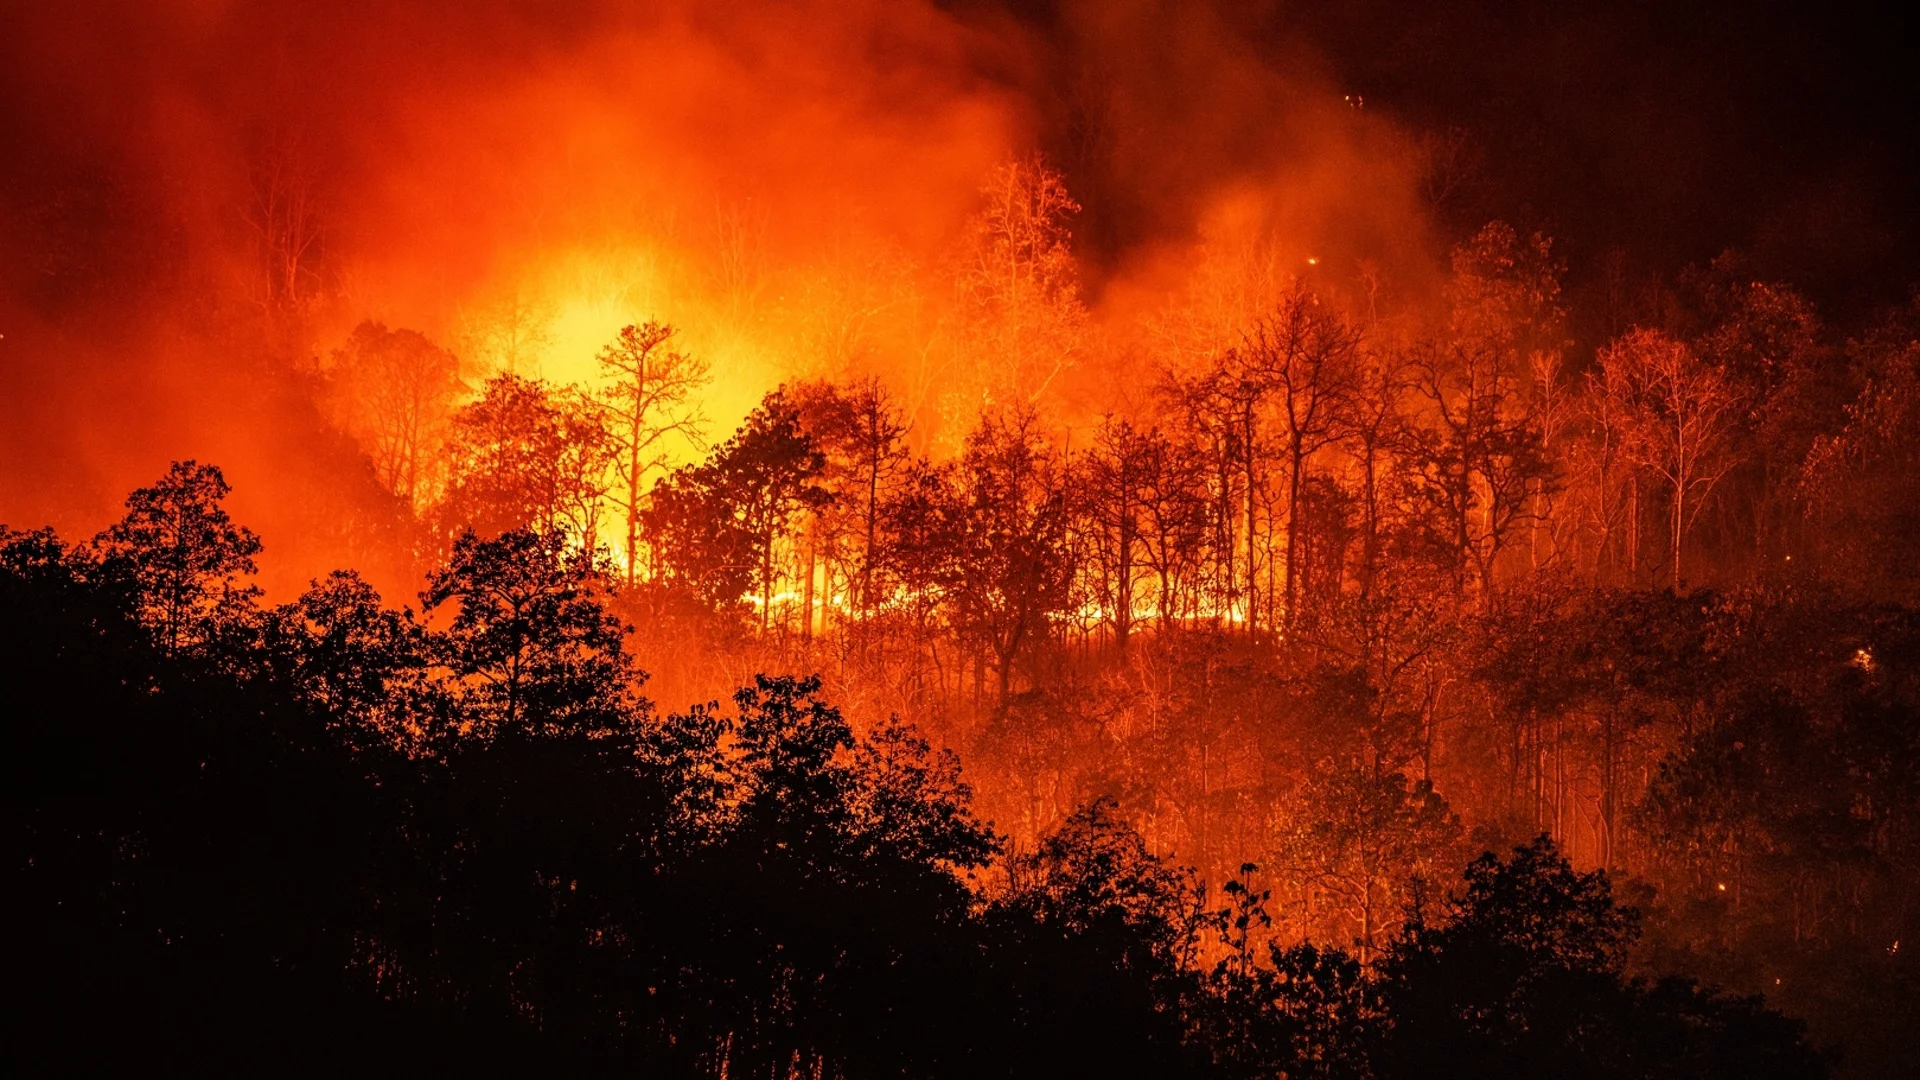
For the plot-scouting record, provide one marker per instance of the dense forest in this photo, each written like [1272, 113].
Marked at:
[326, 834]
[1242, 687]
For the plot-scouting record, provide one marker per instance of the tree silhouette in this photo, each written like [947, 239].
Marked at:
[1307, 356]
[861, 436]
[1114, 495]
[182, 556]
[506, 456]
[719, 525]
[531, 646]
[1483, 456]
[468, 840]
[988, 534]
[1523, 974]
[644, 405]
[359, 661]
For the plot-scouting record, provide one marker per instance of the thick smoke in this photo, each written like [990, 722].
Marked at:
[203, 198]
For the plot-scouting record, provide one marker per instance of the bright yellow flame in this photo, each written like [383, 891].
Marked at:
[576, 302]
[586, 297]
[581, 328]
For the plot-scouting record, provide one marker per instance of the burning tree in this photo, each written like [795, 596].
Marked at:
[1306, 355]
[1021, 320]
[860, 432]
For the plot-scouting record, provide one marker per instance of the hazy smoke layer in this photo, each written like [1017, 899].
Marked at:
[203, 198]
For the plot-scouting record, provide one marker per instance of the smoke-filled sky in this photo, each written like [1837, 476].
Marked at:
[771, 176]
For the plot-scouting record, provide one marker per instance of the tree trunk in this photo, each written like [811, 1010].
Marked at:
[1123, 586]
[1633, 530]
[1679, 522]
[806, 601]
[1253, 566]
[766, 585]
[1291, 616]
[1370, 543]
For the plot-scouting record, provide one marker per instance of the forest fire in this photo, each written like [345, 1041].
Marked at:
[912, 539]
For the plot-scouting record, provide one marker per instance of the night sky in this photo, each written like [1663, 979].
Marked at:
[1669, 132]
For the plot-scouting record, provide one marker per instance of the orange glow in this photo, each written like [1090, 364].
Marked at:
[790, 185]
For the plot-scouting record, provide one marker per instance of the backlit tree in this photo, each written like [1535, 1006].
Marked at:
[645, 400]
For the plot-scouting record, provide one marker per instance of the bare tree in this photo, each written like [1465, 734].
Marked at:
[850, 305]
[1375, 434]
[394, 392]
[1483, 456]
[1306, 355]
[1022, 323]
[740, 257]
[586, 461]
[1452, 164]
[645, 403]
[1606, 494]
[1173, 509]
[1226, 406]
[285, 215]
[1493, 387]
[509, 333]
[1116, 492]
[1683, 411]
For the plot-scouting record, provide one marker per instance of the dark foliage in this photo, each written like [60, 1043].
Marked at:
[328, 837]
